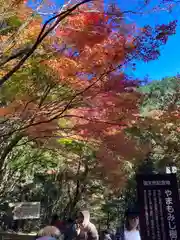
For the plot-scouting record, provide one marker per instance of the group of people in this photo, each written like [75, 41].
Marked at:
[82, 229]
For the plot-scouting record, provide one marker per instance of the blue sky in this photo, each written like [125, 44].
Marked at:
[168, 63]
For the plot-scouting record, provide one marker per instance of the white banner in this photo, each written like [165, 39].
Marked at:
[26, 210]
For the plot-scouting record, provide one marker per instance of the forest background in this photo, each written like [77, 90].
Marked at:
[76, 125]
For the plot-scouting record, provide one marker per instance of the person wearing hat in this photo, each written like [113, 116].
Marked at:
[130, 230]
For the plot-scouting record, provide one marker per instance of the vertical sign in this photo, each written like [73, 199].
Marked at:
[159, 207]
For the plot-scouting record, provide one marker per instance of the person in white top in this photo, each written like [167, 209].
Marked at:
[130, 230]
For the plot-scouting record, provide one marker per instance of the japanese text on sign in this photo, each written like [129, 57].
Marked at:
[170, 215]
[158, 201]
[26, 210]
[156, 183]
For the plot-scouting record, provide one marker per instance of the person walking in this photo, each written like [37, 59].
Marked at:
[49, 233]
[69, 229]
[130, 230]
[56, 222]
[106, 235]
[83, 229]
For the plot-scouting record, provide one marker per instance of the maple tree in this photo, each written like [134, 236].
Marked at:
[61, 180]
[74, 86]
[158, 126]
[160, 122]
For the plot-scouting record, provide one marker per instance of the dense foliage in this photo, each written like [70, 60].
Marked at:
[74, 127]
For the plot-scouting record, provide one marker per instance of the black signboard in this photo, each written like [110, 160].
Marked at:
[159, 207]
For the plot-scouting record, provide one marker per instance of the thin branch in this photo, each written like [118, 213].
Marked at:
[19, 53]
[40, 38]
[97, 120]
[11, 39]
[59, 114]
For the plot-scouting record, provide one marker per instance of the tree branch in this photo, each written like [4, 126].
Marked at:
[19, 53]
[40, 38]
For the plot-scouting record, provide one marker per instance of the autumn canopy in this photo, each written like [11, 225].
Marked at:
[65, 79]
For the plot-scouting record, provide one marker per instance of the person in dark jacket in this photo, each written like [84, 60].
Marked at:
[57, 223]
[106, 235]
[69, 233]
